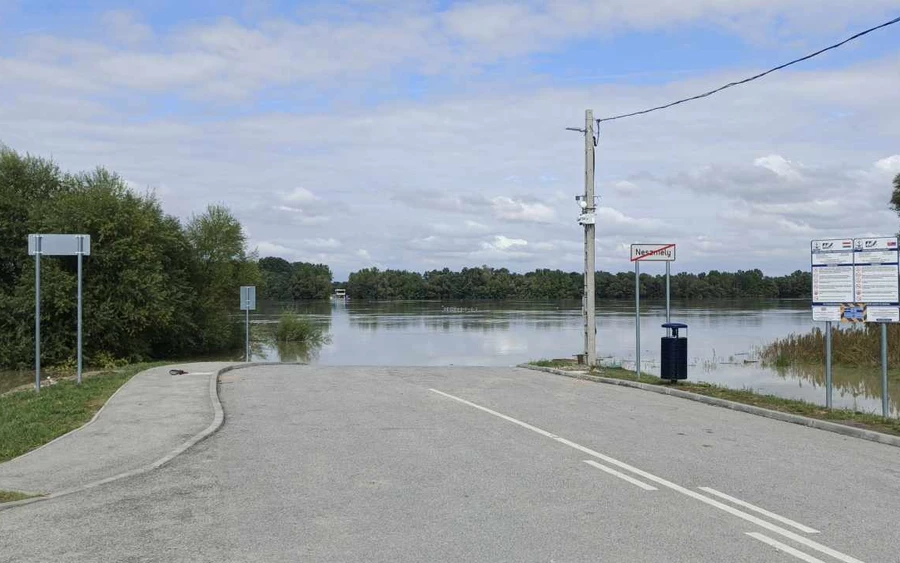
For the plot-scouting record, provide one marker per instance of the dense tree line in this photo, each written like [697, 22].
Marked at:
[154, 287]
[500, 283]
[284, 281]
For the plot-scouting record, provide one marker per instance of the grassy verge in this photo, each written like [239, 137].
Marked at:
[748, 397]
[12, 496]
[29, 420]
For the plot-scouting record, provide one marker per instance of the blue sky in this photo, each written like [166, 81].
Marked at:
[423, 134]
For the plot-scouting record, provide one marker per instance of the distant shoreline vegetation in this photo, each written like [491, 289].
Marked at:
[301, 281]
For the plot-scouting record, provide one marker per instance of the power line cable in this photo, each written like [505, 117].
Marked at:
[751, 78]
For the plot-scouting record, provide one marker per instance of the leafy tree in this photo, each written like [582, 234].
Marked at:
[895, 195]
[218, 244]
[310, 281]
[152, 288]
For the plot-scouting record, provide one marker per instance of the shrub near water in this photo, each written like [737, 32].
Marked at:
[294, 328]
[853, 346]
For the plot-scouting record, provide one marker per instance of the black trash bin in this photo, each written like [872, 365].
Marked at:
[673, 353]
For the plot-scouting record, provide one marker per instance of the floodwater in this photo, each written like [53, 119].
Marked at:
[724, 340]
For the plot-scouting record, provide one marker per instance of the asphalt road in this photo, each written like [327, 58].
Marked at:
[479, 464]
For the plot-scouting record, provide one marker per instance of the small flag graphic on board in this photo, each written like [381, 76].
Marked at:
[892, 244]
[847, 244]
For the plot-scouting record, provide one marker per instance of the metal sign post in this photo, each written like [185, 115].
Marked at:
[884, 367]
[668, 296]
[248, 303]
[37, 314]
[648, 253]
[55, 245]
[828, 374]
[80, 260]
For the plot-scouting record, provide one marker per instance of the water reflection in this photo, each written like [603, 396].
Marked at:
[724, 339]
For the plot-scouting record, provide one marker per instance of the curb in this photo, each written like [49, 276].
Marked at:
[842, 429]
[218, 420]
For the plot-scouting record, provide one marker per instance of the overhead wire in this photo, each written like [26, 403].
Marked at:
[751, 78]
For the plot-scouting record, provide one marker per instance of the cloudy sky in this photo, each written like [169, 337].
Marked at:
[423, 134]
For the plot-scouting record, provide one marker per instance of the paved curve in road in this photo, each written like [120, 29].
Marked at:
[479, 464]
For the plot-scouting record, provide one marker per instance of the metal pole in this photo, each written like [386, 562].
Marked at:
[590, 323]
[637, 317]
[884, 367]
[37, 314]
[668, 296]
[247, 324]
[80, 259]
[828, 364]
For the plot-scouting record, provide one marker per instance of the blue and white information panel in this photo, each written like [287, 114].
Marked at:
[856, 280]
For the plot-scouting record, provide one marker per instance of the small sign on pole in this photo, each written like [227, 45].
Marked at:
[55, 245]
[648, 253]
[248, 303]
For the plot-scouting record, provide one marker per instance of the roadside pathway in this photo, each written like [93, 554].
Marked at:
[147, 419]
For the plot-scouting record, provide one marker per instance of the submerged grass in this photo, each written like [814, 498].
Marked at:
[848, 417]
[857, 346]
[29, 420]
[294, 328]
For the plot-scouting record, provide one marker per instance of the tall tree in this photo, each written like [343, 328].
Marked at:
[223, 265]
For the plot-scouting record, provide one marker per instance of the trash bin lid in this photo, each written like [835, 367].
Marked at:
[674, 325]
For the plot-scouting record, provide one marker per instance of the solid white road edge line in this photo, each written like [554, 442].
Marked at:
[659, 480]
[620, 475]
[762, 511]
[785, 548]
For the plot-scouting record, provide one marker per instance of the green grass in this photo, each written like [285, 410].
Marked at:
[749, 397]
[12, 496]
[29, 420]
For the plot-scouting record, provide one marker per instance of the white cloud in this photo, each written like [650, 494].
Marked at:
[321, 243]
[300, 195]
[516, 210]
[890, 164]
[501, 242]
[267, 248]
[609, 217]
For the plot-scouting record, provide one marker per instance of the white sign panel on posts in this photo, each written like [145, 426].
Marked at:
[653, 252]
[59, 245]
[877, 270]
[832, 271]
[248, 298]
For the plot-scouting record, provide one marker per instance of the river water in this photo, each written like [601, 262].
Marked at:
[724, 339]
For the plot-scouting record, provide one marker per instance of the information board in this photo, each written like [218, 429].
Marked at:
[856, 280]
[832, 271]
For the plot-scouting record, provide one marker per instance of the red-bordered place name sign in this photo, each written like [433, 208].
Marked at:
[653, 252]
